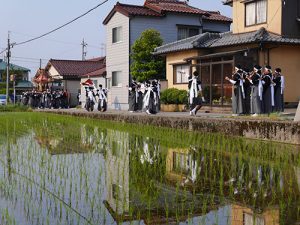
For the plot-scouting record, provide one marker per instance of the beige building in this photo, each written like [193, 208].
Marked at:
[265, 32]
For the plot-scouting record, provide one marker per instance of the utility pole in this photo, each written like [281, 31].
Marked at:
[40, 64]
[7, 67]
[103, 49]
[84, 51]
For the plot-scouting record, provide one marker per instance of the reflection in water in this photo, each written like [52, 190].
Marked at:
[87, 173]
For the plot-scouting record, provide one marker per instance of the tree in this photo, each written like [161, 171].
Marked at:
[144, 64]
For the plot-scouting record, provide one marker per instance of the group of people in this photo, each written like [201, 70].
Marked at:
[144, 96]
[56, 99]
[257, 92]
[96, 96]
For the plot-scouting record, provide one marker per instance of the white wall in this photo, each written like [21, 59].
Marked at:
[117, 59]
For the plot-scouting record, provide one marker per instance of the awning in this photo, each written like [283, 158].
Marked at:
[219, 54]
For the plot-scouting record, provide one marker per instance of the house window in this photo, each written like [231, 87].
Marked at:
[256, 12]
[181, 74]
[250, 219]
[116, 79]
[116, 34]
[187, 31]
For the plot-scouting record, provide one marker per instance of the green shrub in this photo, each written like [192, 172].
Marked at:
[174, 96]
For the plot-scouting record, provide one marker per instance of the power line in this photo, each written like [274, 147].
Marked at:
[57, 41]
[60, 27]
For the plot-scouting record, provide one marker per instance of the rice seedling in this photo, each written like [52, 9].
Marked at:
[65, 170]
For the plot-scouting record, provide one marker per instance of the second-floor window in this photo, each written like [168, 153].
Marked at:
[256, 12]
[116, 34]
[187, 31]
[116, 79]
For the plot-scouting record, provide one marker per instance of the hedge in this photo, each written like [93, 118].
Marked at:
[174, 96]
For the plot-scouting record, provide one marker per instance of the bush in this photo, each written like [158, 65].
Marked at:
[174, 96]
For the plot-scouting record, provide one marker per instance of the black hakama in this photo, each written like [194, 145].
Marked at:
[132, 101]
[140, 101]
[267, 94]
[278, 95]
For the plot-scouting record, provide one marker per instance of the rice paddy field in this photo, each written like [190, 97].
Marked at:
[67, 170]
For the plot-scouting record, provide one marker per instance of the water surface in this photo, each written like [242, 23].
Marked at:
[67, 170]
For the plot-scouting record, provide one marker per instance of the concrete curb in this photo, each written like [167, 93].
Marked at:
[279, 131]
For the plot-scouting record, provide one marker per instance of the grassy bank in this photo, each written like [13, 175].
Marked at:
[14, 108]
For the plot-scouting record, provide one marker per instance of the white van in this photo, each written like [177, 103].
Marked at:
[2, 99]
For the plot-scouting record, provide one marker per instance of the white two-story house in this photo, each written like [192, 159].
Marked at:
[175, 20]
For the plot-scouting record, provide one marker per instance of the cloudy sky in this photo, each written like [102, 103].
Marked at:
[31, 18]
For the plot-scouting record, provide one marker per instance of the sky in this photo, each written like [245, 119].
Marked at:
[31, 18]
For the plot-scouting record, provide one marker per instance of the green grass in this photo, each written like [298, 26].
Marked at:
[14, 108]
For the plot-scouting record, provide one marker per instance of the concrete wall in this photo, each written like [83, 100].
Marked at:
[117, 59]
[269, 130]
[274, 17]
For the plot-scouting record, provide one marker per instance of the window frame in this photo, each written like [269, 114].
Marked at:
[175, 73]
[112, 35]
[189, 27]
[255, 16]
[112, 79]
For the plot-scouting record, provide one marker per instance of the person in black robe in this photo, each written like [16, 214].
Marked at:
[132, 99]
[238, 94]
[256, 91]
[140, 98]
[247, 91]
[268, 94]
[195, 92]
[102, 98]
[150, 98]
[278, 79]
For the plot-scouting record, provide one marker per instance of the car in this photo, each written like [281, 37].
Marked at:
[2, 99]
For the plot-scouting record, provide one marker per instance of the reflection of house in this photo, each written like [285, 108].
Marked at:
[117, 169]
[22, 71]
[97, 77]
[125, 202]
[66, 74]
[265, 32]
[174, 20]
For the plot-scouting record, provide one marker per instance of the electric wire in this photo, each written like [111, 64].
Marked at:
[60, 27]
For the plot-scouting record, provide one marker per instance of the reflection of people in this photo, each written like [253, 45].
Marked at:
[238, 94]
[194, 94]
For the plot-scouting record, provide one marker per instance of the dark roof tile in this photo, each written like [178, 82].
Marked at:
[158, 8]
[213, 40]
[75, 68]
